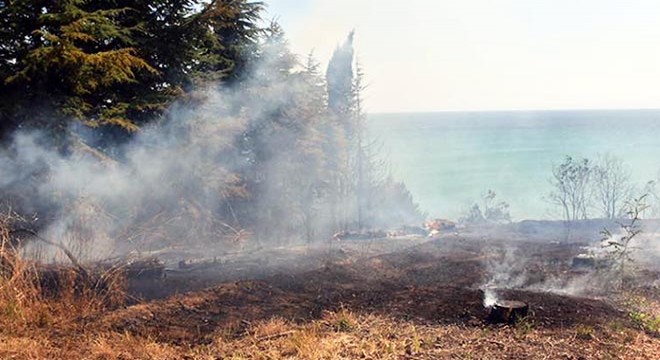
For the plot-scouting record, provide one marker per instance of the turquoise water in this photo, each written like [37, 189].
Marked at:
[449, 160]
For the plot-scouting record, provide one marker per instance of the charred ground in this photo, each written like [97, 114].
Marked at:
[383, 298]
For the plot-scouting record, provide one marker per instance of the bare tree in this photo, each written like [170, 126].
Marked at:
[620, 246]
[494, 212]
[612, 186]
[570, 181]
[653, 199]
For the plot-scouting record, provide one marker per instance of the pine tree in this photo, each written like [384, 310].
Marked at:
[76, 57]
[234, 41]
[339, 77]
[18, 20]
[339, 80]
[116, 65]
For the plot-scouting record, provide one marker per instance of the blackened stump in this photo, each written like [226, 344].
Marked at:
[508, 311]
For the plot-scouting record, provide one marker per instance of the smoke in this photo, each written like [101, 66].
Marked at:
[178, 168]
[530, 263]
[533, 265]
[490, 298]
[223, 159]
[173, 184]
[505, 269]
[511, 268]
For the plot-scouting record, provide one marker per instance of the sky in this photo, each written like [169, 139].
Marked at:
[474, 55]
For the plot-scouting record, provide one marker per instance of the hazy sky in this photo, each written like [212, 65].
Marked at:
[430, 55]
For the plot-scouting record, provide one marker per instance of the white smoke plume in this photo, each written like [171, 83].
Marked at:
[505, 269]
[167, 185]
[177, 164]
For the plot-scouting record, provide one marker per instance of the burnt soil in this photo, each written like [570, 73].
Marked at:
[427, 281]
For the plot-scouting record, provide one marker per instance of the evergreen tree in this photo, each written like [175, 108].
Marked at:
[115, 64]
[78, 56]
[339, 80]
[362, 184]
[234, 41]
[339, 77]
[18, 21]
[287, 157]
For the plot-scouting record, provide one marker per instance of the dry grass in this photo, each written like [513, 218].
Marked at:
[20, 303]
[33, 296]
[373, 337]
[378, 337]
[341, 334]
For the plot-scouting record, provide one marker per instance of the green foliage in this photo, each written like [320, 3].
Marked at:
[77, 55]
[115, 63]
[290, 154]
[285, 144]
[342, 321]
[233, 39]
[525, 326]
[646, 322]
[641, 313]
[584, 332]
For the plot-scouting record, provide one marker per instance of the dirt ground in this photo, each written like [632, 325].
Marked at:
[385, 298]
[431, 282]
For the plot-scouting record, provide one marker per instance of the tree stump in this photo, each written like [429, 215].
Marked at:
[508, 311]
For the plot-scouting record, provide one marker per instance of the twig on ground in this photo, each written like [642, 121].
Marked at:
[66, 251]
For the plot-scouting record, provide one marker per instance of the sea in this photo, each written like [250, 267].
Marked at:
[449, 160]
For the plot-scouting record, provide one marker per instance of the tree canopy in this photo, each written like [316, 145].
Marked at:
[209, 101]
[117, 63]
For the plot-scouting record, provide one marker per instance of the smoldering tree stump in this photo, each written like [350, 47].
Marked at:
[508, 311]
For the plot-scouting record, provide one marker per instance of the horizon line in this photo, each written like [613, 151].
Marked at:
[510, 110]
